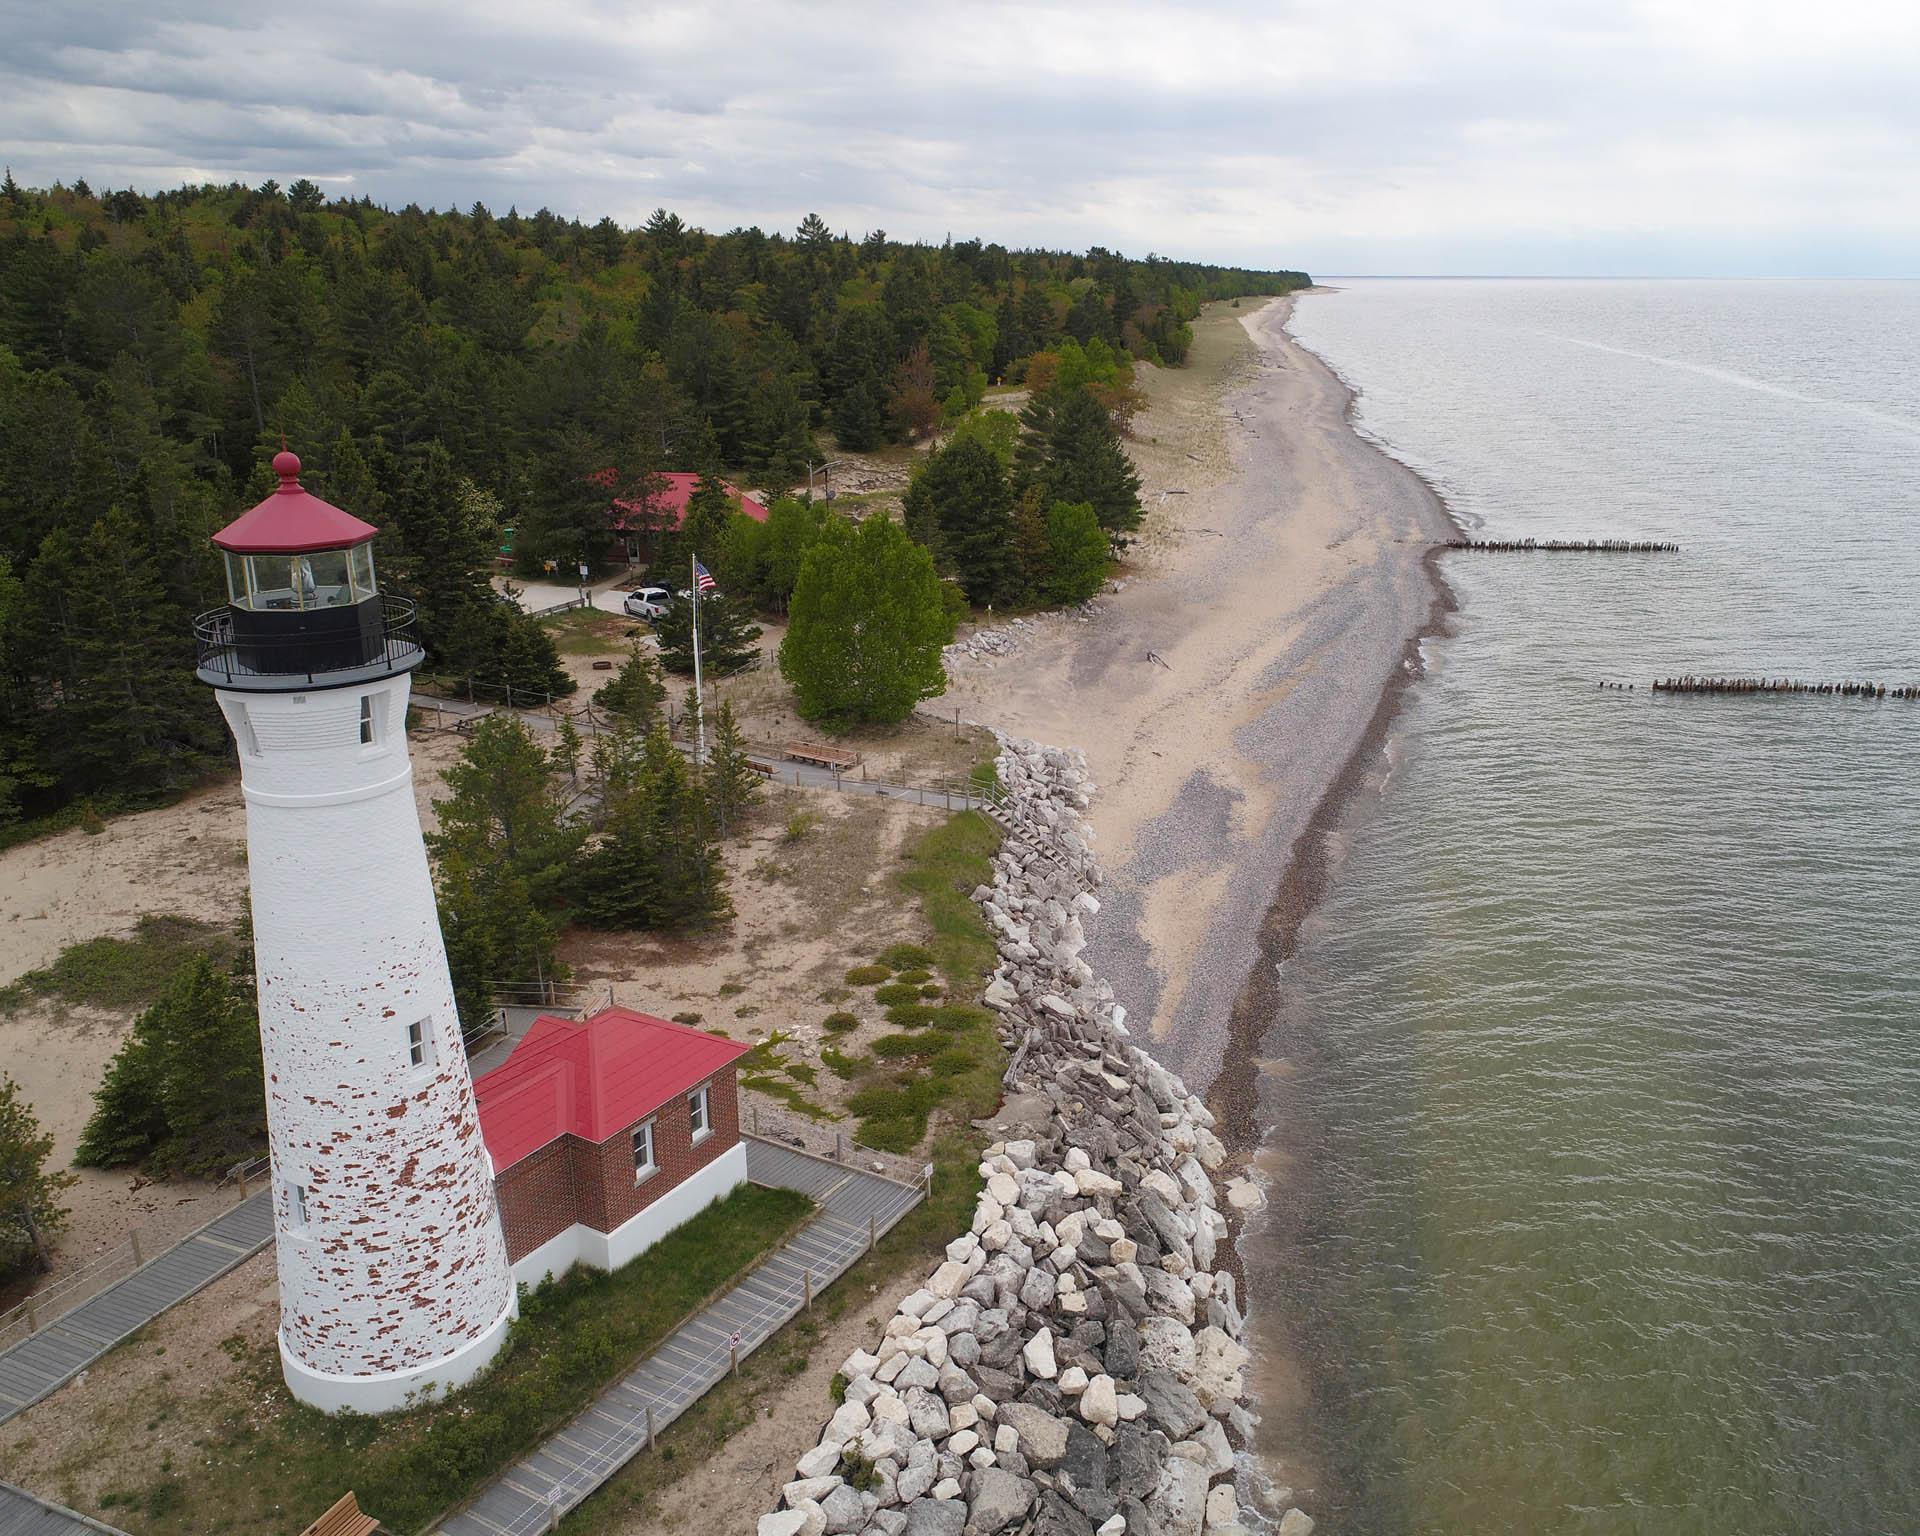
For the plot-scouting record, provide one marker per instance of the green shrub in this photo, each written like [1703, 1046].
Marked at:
[839, 1063]
[119, 973]
[839, 1023]
[907, 957]
[904, 1045]
[910, 1015]
[868, 975]
[837, 1388]
[687, 1018]
[896, 992]
[952, 1062]
[933, 989]
[914, 977]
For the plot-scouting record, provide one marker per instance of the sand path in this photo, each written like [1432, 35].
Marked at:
[1219, 695]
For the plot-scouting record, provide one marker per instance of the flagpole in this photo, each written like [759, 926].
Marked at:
[699, 704]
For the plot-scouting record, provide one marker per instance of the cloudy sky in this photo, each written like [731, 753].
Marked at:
[1343, 136]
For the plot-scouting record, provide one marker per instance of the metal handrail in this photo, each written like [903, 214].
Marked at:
[217, 648]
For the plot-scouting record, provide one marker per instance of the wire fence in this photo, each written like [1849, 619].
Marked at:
[60, 1296]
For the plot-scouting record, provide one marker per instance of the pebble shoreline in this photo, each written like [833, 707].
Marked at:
[1074, 1366]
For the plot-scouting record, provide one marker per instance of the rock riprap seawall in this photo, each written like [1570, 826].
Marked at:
[1074, 1366]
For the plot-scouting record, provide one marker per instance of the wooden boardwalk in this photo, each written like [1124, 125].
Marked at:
[22, 1514]
[67, 1345]
[854, 1207]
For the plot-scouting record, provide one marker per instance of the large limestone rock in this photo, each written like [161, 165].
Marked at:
[1042, 1437]
[999, 1499]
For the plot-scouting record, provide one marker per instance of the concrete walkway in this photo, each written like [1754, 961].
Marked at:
[854, 1207]
[22, 1514]
[67, 1346]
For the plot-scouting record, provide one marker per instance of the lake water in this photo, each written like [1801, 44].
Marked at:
[1602, 1056]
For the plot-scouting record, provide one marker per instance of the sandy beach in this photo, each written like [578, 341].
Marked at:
[1219, 695]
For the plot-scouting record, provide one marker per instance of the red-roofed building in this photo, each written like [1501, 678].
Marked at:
[665, 511]
[606, 1133]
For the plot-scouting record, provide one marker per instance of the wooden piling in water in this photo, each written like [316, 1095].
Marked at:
[1565, 546]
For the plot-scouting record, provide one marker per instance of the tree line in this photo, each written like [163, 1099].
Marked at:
[446, 375]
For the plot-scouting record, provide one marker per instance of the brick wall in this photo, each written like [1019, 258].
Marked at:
[570, 1180]
[674, 1154]
[538, 1199]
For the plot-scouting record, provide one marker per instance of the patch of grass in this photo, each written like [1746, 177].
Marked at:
[586, 632]
[268, 1471]
[839, 1023]
[868, 975]
[896, 992]
[691, 1018]
[731, 988]
[799, 825]
[910, 1015]
[913, 978]
[933, 989]
[766, 1069]
[120, 973]
[908, 957]
[840, 1064]
[834, 994]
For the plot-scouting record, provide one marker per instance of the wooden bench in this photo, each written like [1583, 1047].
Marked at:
[821, 755]
[344, 1519]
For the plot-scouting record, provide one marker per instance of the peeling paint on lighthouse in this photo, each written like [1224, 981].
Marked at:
[393, 1269]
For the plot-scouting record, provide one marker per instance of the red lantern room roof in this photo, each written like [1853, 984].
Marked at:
[292, 521]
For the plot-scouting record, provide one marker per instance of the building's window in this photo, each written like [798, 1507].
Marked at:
[643, 1164]
[297, 1207]
[420, 1043]
[366, 719]
[697, 1113]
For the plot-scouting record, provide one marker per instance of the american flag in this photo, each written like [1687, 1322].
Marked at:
[702, 578]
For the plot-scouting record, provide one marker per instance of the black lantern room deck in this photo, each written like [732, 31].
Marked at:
[303, 608]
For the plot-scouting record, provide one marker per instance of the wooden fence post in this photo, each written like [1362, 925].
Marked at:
[33, 1317]
[650, 1426]
[733, 1354]
[869, 1231]
[135, 1238]
[807, 1288]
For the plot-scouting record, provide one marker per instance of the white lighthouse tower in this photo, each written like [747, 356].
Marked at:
[393, 1268]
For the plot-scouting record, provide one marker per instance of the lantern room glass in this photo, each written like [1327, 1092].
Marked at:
[322, 578]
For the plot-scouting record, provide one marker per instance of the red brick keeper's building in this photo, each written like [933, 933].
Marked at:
[606, 1133]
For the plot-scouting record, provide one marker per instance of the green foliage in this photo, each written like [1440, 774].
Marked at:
[116, 973]
[502, 856]
[657, 865]
[731, 781]
[729, 639]
[30, 1209]
[867, 626]
[896, 992]
[840, 1022]
[906, 1045]
[868, 975]
[1074, 455]
[996, 431]
[185, 1094]
[760, 562]
[961, 507]
[1077, 552]
[635, 693]
[837, 1388]
[907, 957]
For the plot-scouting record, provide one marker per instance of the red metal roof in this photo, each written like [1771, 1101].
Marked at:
[292, 521]
[670, 505]
[592, 1078]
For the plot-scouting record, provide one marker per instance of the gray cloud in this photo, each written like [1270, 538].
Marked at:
[1637, 135]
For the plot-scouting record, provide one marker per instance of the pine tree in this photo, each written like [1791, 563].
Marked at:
[567, 748]
[1077, 553]
[30, 1208]
[186, 1093]
[729, 639]
[731, 781]
[1085, 463]
[961, 507]
[657, 866]
[866, 626]
[635, 693]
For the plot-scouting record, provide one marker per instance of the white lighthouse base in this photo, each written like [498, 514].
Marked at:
[389, 1390]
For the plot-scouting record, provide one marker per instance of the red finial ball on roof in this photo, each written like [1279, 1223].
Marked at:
[287, 466]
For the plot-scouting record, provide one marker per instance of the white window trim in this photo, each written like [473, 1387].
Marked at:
[427, 1048]
[369, 722]
[644, 1171]
[704, 1099]
[299, 1220]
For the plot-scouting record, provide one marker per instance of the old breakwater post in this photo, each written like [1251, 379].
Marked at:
[1074, 1365]
[1565, 546]
[1783, 685]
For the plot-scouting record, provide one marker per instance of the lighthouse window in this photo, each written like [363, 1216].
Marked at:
[366, 719]
[420, 1043]
[697, 1113]
[361, 556]
[297, 1207]
[643, 1164]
